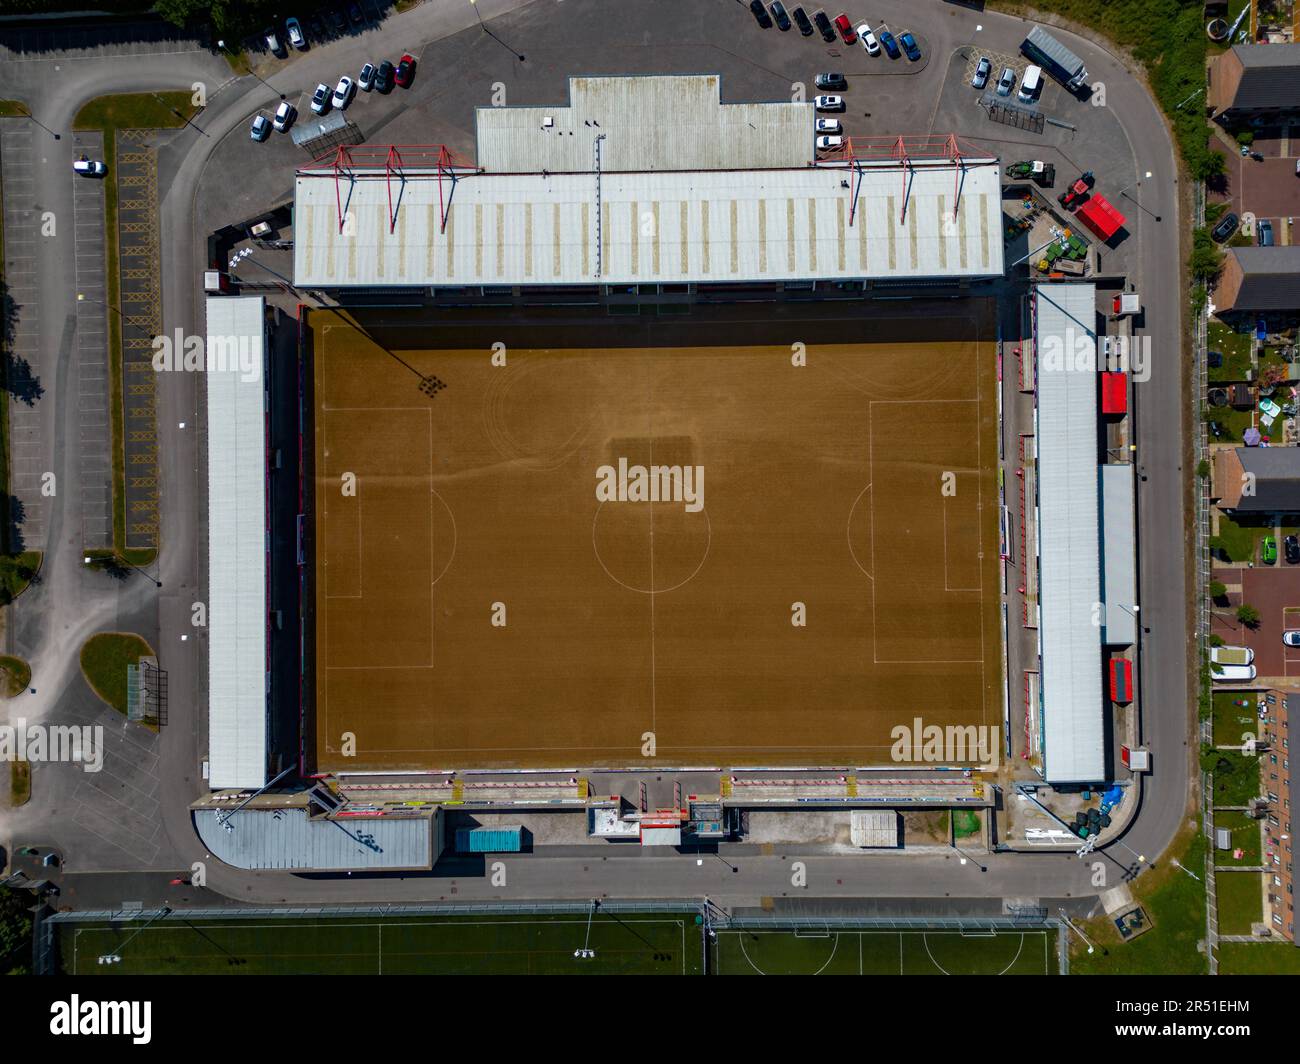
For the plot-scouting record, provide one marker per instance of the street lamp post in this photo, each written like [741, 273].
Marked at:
[484, 28]
[117, 559]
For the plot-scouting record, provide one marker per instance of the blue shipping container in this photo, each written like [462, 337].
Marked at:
[489, 840]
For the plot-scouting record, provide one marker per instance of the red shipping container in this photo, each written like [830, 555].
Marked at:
[1121, 680]
[1114, 393]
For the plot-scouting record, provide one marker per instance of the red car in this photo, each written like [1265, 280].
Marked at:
[405, 71]
[845, 27]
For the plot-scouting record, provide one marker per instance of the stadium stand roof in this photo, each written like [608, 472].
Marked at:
[655, 226]
[1119, 555]
[646, 123]
[291, 840]
[237, 604]
[1068, 534]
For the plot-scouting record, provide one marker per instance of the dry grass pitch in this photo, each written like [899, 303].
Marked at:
[476, 604]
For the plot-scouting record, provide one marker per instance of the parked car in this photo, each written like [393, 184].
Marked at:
[343, 92]
[1226, 227]
[760, 14]
[890, 45]
[261, 127]
[405, 71]
[829, 143]
[982, 71]
[1233, 673]
[320, 99]
[384, 77]
[1031, 84]
[1291, 637]
[315, 26]
[273, 44]
[339, 20]
[827, 125]
[1264, 230]
[1006, 82]
[293, 30]
[356, 15]
[824, 24]
[1291, 549]
[829, 103]
[831, 81]
[1268, 550]
[910, 47]
[868, 39]
[845, 25]
[88, 167]
[802, 21]
[284, 117]
[366, 79]
[782, 19]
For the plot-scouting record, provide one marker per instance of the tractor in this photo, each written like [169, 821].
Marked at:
[1074, 196]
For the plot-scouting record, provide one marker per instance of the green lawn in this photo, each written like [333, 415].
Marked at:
[1230, 721]
[1175, 903]
[1236, 778]
[104, 659]
[12, 109]
[1245, 835]
[850, 952]
[108, 114]
[1236, 348]
[965, 823]
[1241, 901]
[17, 570]
[1240, 538]
[625, 944]
[15, 676]
[1259, 958]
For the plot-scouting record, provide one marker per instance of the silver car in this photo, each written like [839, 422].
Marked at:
[982, 71]
[1006, 82]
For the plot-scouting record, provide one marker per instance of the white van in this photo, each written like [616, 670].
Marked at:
[1232, 655]
[1233, 673]
[1033, 81]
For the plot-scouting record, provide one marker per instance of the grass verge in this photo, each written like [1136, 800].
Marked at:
[1245, 836]
[1232, 721]
[106, 115]
[1236, 776]
[1258, 958]
[1175, 903]
[104, 659]
[15, 676]
[20, 782]
[1241, 901]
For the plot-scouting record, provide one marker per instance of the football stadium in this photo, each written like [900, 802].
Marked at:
[650, 438]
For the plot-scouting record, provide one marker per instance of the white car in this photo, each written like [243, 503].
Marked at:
[343, 92]
[273, 44]
[320, 99]
[868, 40]
[829, 103]
[366, 79]
[261, 128]
[1291, 637]
[829, 143]
[982, 71]
[827, 125]
[1233, 673]
[1006, 82]
[284, 116]
[293, 29]
[89, 167]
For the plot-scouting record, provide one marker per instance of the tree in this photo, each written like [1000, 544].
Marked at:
[15, 931]
[1213, 165]
[1248, 615]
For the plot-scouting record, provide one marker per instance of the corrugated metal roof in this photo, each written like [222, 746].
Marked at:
[1068, 534]
[649, 123]
[237, 607]
[288, 839]
[696, 226]
[1119, 556]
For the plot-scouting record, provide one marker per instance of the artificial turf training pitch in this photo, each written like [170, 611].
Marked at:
[491, 591]
[628, 944]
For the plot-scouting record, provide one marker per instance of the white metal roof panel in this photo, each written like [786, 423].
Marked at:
[655, 227]
[648, 123]
[1119, 555]
[237, 607]
[1069, 534]
[291, 840]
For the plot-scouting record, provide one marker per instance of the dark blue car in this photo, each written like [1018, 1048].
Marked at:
[890, 45]
[909, 46]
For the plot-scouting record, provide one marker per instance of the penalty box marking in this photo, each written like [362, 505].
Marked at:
[871, 439]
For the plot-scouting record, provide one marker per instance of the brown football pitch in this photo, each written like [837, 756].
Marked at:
[496, 588]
